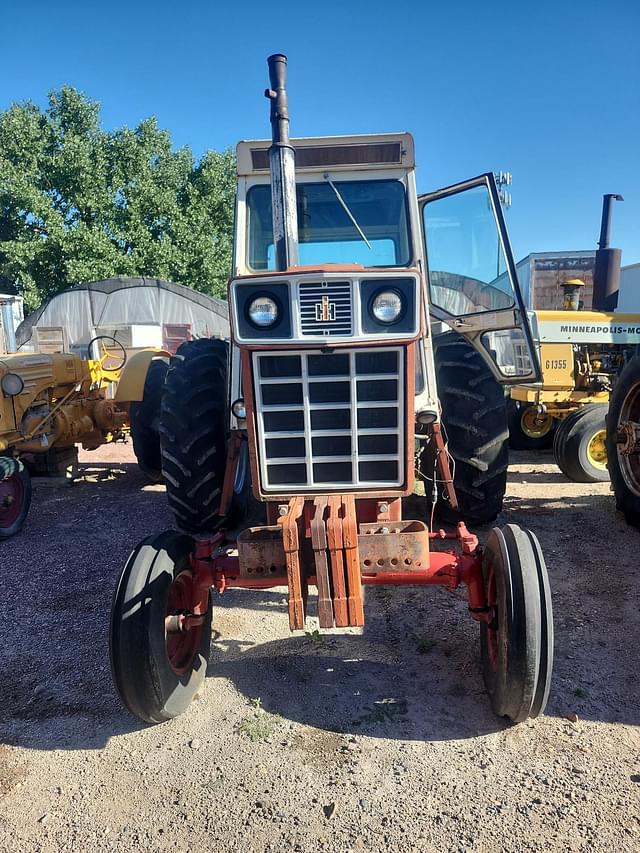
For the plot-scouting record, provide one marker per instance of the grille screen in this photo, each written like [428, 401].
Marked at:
[330, 420]
[325, 308]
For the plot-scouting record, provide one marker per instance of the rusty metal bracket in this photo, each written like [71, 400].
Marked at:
[394, 546]
[319, 544]
[334, 538]
[443, 464]
[291, 544]
[354, 579]
[233, 454]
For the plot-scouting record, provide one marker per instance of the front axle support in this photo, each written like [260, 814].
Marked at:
[318, 542]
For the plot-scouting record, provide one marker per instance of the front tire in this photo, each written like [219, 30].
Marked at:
[474, 416]
[623, 456]
[579, 446]
[155, 674]
[517, 646]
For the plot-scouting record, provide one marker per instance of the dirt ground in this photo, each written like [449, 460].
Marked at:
[381, 740]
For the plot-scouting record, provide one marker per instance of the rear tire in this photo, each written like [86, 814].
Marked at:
[520, 438]
[193, 437]
[517, 646]
[15, 500]
[145, 422]
[474, 417]
[579, 447]
[155, 674]
[624, 468]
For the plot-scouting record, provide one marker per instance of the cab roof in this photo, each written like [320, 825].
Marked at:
[317, 154]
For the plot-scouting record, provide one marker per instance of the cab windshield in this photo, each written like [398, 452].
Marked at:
[341, 222]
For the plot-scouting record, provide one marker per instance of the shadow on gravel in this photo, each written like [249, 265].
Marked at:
[344, 684]
[58, 576]
[414, 673]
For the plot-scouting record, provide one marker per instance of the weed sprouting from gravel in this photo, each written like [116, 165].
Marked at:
[260, 725]
[424, 645]
[314, 637]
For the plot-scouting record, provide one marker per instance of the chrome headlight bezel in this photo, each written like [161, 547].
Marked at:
[12, 384]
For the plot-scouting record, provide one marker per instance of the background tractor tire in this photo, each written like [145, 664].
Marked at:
[624, 469]
[193, 436]
[145, 421]
[15, 500]
[579, 447]
[474, 416]
[521, 438]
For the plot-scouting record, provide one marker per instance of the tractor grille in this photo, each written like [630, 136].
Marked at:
[327, 421]
[325, 308]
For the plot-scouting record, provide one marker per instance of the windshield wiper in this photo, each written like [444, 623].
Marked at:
[347, 211]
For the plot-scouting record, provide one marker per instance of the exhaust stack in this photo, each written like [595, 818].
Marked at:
[282, 165]
[606, 275]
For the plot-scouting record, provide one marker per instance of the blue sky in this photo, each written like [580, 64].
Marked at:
[547, 90]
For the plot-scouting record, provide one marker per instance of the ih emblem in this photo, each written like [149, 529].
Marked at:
[325, 310]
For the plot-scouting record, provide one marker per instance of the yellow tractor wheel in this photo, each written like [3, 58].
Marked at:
[597, 450]
[535, 425]
[580, 447]
[529, 430]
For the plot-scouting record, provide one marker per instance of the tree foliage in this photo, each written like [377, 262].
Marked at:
[78, 203]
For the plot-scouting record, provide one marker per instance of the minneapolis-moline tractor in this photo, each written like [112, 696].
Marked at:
[51, 402]
[327, 402]
[581, 355]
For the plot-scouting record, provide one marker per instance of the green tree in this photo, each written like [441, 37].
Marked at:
[78, 203]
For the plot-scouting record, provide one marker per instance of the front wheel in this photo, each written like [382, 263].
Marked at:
[579, 446]
[15, 497]
[156, 673]
[517, 645]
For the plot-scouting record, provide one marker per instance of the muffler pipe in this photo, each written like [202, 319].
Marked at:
[283, 168]
[606, 275]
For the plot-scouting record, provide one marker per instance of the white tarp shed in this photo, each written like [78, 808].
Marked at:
[136, 311]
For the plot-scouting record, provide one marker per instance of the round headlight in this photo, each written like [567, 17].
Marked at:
[263, 312]
[239, 409]
[12, 384]
[387, 306]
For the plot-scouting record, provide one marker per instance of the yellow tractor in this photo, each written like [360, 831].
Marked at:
[581, 355]
[51, 402]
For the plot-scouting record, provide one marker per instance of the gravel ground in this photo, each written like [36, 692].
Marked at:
[347, 741]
